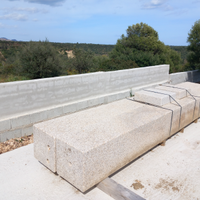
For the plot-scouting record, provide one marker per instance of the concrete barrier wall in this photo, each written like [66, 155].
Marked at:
[24, 103]
[191, 76]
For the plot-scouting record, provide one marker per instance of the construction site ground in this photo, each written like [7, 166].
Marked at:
[168, 172]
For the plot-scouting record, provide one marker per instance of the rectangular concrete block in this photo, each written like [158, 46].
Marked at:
[20, 121]
[92, 144]
[54, 112]
[27, 131]
[152, 98]
[70, 108]
[80, 105]
[95, 101]
[4, 136]
[4, 125]
[124, 94]
[38, 116]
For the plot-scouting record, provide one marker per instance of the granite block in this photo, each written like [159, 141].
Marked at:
[44, 148]
[151, 97]
[92, 144]
[172, 94]
[180, 93]
[194, 88]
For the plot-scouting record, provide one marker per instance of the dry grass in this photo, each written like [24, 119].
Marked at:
[12, 144]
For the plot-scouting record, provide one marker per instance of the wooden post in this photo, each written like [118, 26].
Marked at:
[182, 130]
[163, 143]
[117, 191]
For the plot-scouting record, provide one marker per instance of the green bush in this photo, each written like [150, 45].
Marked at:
[194, 46]
[40, 60]
[142, 47]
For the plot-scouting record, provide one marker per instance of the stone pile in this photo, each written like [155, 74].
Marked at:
[87, 146]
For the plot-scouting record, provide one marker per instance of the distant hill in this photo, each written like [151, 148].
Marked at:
[6, 39]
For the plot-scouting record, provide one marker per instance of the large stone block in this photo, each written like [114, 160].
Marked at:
[180, 93]
[183, 113]
[88, 146]
[151, 97]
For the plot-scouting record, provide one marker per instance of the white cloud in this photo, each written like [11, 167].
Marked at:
[14, 16]
[47, 2]
[2, 25]
[157, 4]
[7, 26]
[30, 10]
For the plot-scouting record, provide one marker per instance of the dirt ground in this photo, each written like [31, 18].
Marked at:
[12, 144]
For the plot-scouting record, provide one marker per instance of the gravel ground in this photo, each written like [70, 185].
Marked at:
[12, 144]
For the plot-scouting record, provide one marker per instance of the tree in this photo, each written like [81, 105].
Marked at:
[40, 60]
[143, 47]
[194, 46]
[83, 61]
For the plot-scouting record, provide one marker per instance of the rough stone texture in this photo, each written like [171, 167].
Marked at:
[45, 148]
[179, 92]
[106, 138]
[195, 90]
[153, 98]
[192, 87]
[172, 94]
[22, 177]
[188, 108]
[167, 172]
[109, 136]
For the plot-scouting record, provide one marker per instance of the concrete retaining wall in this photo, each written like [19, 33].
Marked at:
[25, 103]
[191, 76]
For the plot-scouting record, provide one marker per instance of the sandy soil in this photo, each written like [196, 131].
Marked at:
[12, 144]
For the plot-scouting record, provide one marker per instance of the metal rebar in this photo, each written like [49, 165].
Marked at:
[186, 95]
[171, 98]
[157, 107]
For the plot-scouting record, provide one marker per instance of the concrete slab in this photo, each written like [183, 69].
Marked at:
[106, 138]
[167, 172]
[23, 177]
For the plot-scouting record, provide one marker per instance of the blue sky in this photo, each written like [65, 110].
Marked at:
[96, 21]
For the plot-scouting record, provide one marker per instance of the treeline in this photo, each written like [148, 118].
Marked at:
[98, 49]
[183, 51]
[140, 47]
[9, 48]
